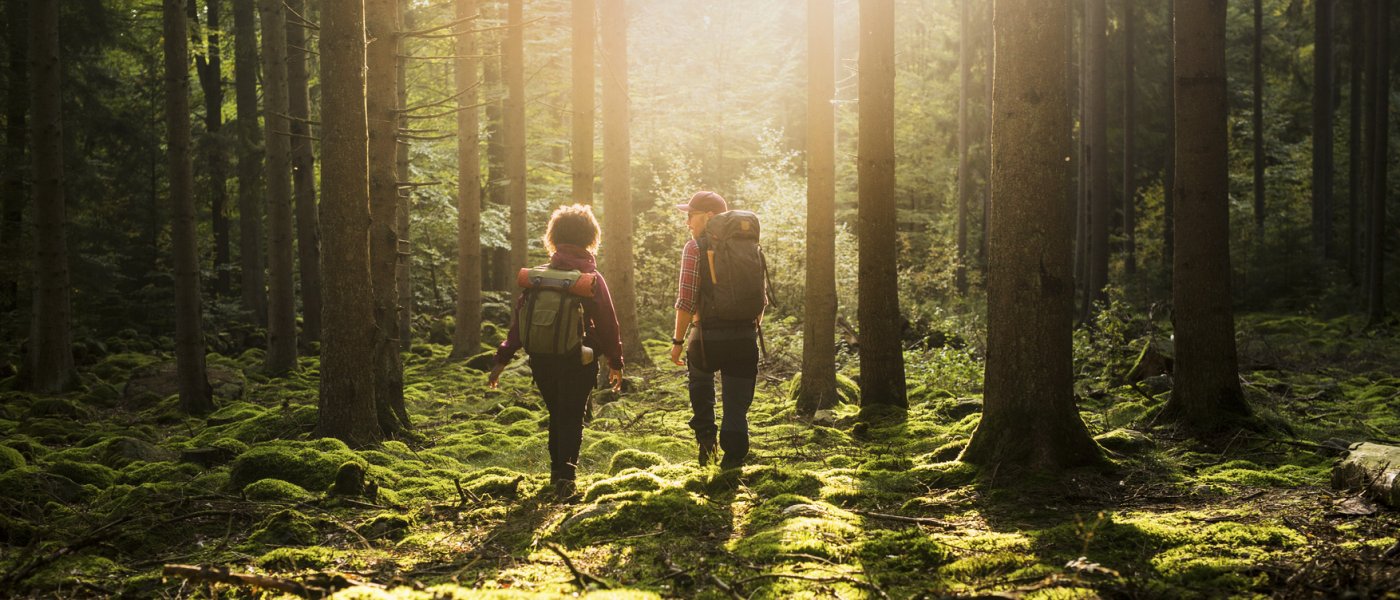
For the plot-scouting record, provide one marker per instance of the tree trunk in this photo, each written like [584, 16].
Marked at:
[1096, 115]
[250, 227]
[1029, 417]
[617, 181]
[1322, 126]
[881, 350]
[1258, 124]
[281, 285]
[347, 403]
[1129, 135]
[1380, 149]
[818, 384]
[498, 179]
[50, 352]
[1207, 387]
[513, 56]
[1356, 159]
[1081, 178]
[304, 172]
[196, 396]
[964, 180]
[466, 339]
[404, 259]
[210, 70]
[988, 74]
[581, 147]
[1169, 169]
[382, 103]
[16, 131]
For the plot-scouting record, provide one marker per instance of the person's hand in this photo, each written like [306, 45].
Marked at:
[676, 355]
[493, 380]
[615, 378]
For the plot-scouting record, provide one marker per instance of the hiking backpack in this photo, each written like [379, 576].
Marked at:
[551, 320]
[733, 272]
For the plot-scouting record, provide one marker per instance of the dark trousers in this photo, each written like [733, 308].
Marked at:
[564, 384]
[734, 355]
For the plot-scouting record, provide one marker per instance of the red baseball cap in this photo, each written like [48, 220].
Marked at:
[704, 202]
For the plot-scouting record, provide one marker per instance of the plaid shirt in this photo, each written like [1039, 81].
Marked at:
[690, 277]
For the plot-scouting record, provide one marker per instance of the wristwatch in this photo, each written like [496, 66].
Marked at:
[677, 342]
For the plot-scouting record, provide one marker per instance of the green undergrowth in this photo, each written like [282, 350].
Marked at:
[114, 481]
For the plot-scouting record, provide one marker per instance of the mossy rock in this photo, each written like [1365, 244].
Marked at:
[84, 473]
[32, 485]
[123, 451]
[946, 474]
[514, 414]
[275, 490]
[16, 533]
[633, 459]
[311, 465]
[496, 485]
[10, 459]
[770, 482]
[391, 526]
[170, 472]
[297, 559]
[1125, 441]
[786, 526]
[66, 572]
[349, 479]
[847, 389]
[286, 528]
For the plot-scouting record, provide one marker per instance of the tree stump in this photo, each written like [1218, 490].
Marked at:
[1373, 468]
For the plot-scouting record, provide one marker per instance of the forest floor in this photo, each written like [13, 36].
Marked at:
[101, 489]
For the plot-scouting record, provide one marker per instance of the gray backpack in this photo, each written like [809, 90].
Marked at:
[733, 271]
[552, 319]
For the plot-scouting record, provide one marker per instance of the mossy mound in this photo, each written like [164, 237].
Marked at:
[275, 490]
[84, 473]
[35, 486]
[634, 459]
[297, 559]
[631, 481]
[454, 592]
[904, 557]
[140, 472]
[10, 459]
[768, 482]
[392, 526]
[122, 451]
[311, 465]
[286, 528]
[803, 529]
[56, 407]
[515, 414]
[673, 510]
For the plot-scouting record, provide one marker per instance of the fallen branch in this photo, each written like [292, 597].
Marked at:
[904, 519]
[223, 575]
[581, 579]
[724, 586]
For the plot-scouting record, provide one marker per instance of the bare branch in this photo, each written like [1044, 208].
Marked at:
[483, 30]
[425, 32]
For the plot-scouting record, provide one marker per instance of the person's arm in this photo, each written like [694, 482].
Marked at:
[506, 351]
[688, 288]
[608, 332]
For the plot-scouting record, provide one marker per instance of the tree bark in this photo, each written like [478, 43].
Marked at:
[1096, 115]
[1380, 149]
[513, 55]
[1322, 127]
[16, 133]
[964, 179]
[49, 362]
[382, 104]
[1029, 417]
[1356, 158]
[281, 285]
[818, 384]
[196, 396]
[617, 253]
[466, 338]
[1207, 386]
[581, 147]
[250, 228]
[881, 351]
[404, 259]
[210, 70]
[501, 277]
[1129, 137]
[1257, 127]
[347, 403]
[1169, 169]
[304, 175]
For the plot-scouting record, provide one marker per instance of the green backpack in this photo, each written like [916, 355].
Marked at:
[551, 320]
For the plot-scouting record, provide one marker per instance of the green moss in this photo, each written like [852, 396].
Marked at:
[1125, 441]
[84, 473]
[515, 414]
[904, 556]
[140, 472]
[56, 407]
[66, 572]
[633, 459]
[275, 490]
[1246, 473]
[311, 465]
[10, 459]
[823, 537]
[768, 482]
[285, 528]
[632, 481]
[847, 389]
[386, 526]
[674, 510]
[296, 559]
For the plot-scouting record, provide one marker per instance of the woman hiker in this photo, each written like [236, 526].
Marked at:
[566, 372]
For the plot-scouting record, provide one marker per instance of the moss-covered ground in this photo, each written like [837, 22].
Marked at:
[100, 488]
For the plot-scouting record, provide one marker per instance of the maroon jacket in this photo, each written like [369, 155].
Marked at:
[600, 330]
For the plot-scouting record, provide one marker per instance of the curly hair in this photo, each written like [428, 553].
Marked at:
[572, 224]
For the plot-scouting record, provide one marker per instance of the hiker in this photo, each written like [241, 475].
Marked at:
[725, 303]
[563, 318]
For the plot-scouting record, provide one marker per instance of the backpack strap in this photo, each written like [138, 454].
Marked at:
[575, 282]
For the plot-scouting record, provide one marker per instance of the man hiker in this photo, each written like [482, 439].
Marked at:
[722, 293]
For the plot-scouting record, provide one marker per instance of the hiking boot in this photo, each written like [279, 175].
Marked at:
[736, 448]
[565, 491]
[708, 452]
